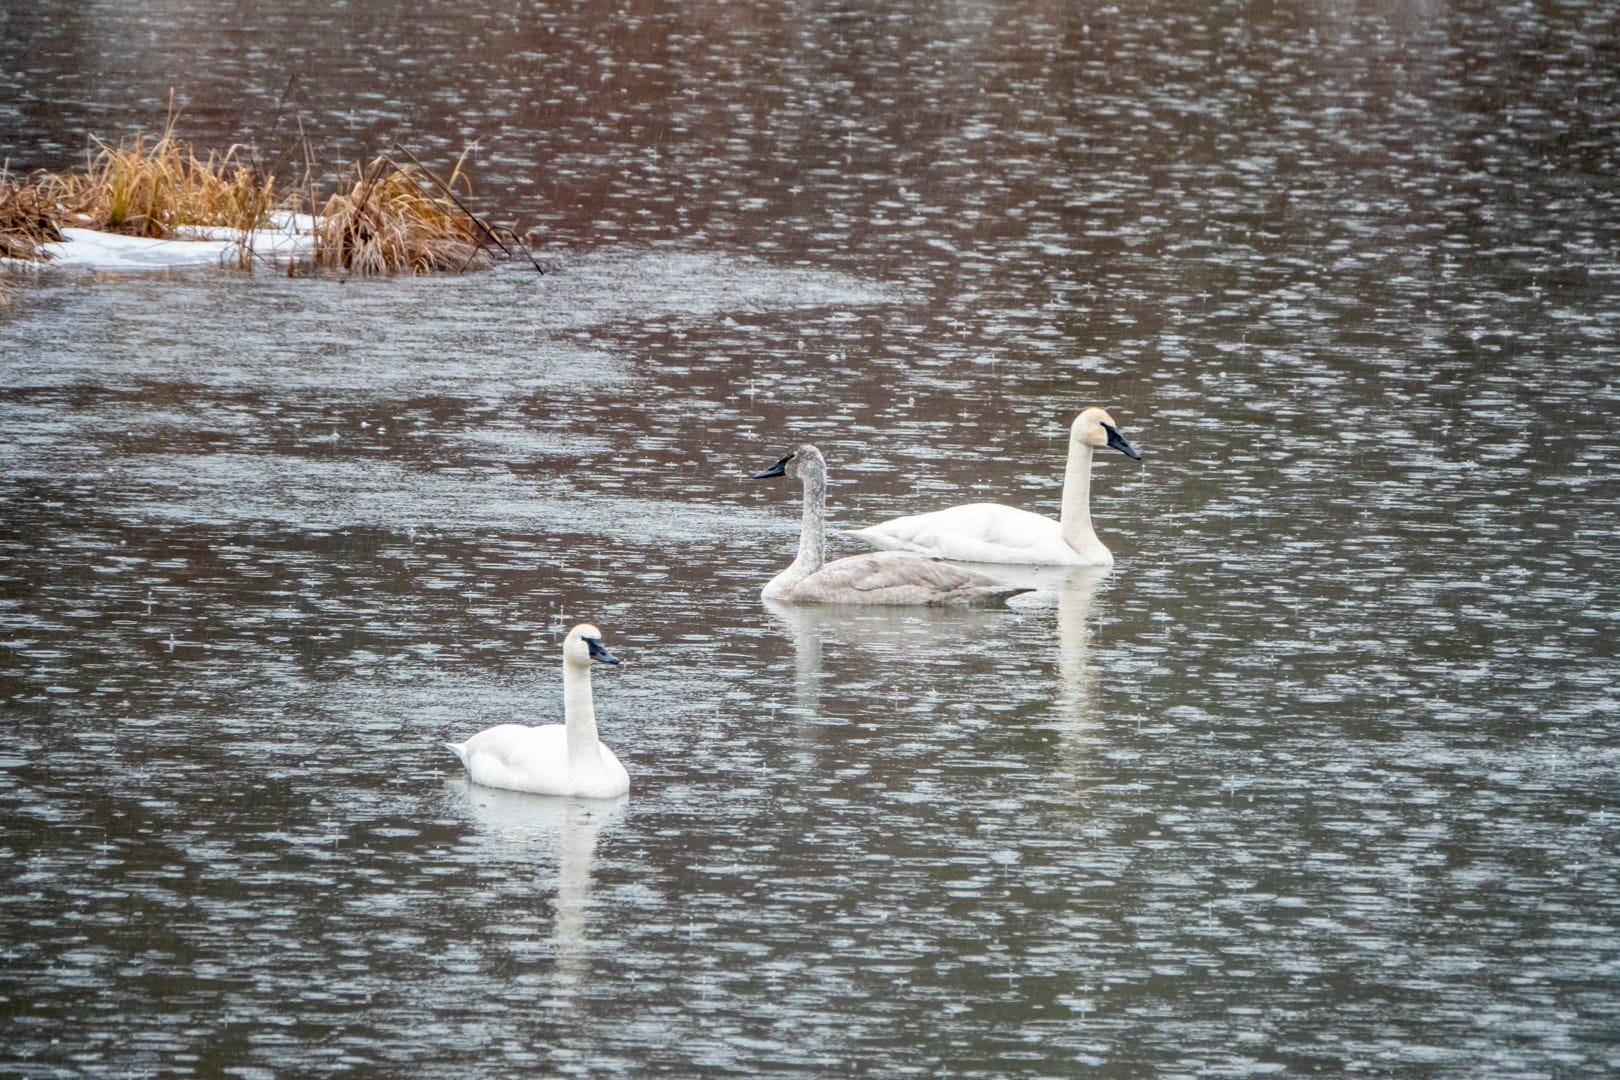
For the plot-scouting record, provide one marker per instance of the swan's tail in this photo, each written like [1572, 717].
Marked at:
[990, 595]
[460, 750]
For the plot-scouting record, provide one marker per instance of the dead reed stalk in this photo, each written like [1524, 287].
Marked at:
[154, 189]
[389, 221]
[28, 220]
[385, 218]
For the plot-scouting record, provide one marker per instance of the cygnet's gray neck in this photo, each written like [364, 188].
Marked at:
[812, 553]
[813, 533]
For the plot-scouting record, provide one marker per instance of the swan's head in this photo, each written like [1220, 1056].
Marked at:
[584, 644]
[805, 460]
[1096, 429]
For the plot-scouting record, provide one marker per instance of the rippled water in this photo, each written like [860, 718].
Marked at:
[1321, 778]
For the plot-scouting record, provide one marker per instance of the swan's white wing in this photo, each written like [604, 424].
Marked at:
[520, 758]
[975, 532]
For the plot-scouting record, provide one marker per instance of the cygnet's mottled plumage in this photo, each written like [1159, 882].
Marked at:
[884, 577]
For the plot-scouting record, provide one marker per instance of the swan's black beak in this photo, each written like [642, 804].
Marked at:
[599, 651]
[779, 469]
[1121, 443]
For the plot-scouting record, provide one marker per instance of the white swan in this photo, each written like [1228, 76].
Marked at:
[554, 759]
[884, 577]
[993, 533]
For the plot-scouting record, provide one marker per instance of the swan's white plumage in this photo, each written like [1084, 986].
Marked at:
[994, 533]
[535, 759]
[979, 532]
[553, 759]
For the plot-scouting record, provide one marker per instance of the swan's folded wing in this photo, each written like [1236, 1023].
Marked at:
[520, 758]
[976, 532]
[888, 577]
[891, 570]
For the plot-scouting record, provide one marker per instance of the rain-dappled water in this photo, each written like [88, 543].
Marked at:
[1321, 778]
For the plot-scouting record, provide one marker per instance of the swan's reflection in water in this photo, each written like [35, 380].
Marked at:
[1066, 593]
[895, 630]
[803, 626]
[532, 827]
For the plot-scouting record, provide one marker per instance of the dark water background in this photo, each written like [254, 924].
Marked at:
[1322, 778]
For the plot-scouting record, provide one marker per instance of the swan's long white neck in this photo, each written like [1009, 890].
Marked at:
[1075, 519]
[580, 716]
[812, 534]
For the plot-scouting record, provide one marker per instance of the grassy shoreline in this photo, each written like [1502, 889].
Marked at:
[380, 216]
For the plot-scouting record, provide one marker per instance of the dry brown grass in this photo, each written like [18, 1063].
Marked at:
[27, 218]
[153, 189]
[385, 218]
[390, 220]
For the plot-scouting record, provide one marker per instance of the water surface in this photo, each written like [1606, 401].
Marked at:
[1320, 778]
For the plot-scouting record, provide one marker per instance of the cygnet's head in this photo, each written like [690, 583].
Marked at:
[584, 644]
[805, 460]
[1096, 429]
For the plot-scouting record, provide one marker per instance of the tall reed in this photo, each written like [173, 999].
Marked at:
[154, 189]
[389, 220]
[28, 219]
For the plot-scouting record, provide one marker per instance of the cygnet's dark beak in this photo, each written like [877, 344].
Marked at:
[599, 651]
[1121, 443]
[779, 469]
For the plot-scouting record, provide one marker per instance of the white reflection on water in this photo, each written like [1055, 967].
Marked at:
[1066, 597]
[884, 634]
[514, 827]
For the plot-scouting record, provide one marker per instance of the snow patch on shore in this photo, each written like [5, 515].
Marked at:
[289, 237]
